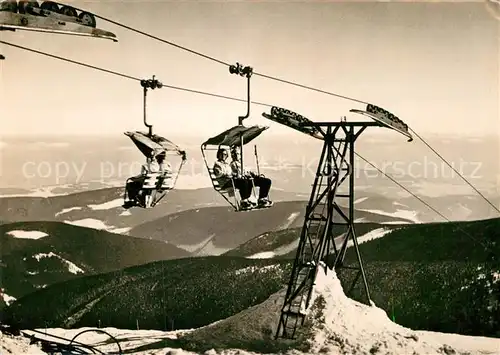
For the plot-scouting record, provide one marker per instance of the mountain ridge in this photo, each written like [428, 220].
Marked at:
[36, 254]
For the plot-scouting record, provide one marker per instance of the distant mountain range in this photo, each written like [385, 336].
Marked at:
[213, 230]
[101, 209]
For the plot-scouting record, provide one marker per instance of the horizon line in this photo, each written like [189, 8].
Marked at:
[387, 135]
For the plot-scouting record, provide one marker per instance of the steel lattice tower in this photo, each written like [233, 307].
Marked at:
[323, 214]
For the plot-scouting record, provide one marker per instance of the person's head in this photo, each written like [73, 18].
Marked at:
[222, 154]
[235, 153]
[160, 158]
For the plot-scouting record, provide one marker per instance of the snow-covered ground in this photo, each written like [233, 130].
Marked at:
[98, 224]
[359, 200]
[18, 345]
[8, 299]
[374, 234]
[287, 248]
[90, 223]
[71, 266]
[108, 205]
[40, 192]
[293, 216]
[22, 234]
[282, 250]
[336, 324]
[205, 247]
[405, 214]
[66, 210]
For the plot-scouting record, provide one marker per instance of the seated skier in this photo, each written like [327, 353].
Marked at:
[224, 175]
[152, 165]
[134, 185]
[260, 181]
[165, 169]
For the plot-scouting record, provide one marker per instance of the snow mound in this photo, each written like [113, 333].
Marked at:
[340, 325]
[335, 324]
[18, 345]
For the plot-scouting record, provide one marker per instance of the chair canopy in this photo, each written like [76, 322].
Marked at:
[235, 136]
[154, 145]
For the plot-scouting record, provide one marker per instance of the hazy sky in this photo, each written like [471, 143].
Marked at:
[435, 65]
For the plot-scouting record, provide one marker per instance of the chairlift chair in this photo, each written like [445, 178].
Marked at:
[236, 136]
[154, 185]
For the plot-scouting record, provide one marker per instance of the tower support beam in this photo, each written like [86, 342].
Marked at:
[328, 224]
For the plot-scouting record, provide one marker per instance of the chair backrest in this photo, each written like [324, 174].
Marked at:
[151, 181]
[168, 181]
[215, 182]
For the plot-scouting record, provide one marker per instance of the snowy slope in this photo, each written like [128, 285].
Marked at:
[335, 325]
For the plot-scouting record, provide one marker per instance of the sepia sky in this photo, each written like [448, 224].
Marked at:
[434, 65]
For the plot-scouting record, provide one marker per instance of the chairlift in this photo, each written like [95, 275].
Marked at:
[150, 187]
[234, 137]
[237, 136]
